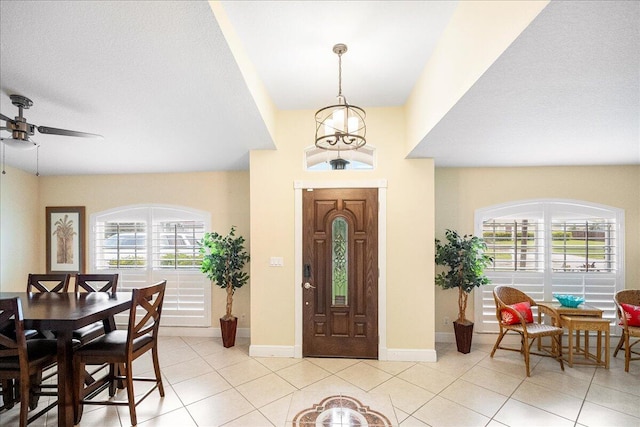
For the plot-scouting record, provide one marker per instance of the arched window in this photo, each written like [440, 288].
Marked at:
[145, 244]
[316, 159]
[551, 246]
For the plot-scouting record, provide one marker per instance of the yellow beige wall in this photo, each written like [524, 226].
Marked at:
[21, 252]
[412, 298]
[460, 191]
[409, 228]
[224, 194]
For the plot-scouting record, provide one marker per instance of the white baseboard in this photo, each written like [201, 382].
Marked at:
[411, 355]
[402, 354]
[271, 351]
[488, 338]
[181, 331]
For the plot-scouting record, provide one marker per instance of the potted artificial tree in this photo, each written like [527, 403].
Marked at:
[466, 260]
[223, 262]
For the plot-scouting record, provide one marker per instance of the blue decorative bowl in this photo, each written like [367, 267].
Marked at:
[569, 300]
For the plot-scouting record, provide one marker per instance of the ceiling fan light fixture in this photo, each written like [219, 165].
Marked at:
[340, 127]
[20, 144]
[21, 130]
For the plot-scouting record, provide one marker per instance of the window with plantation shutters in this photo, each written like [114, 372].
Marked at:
[515, 244]
[544, 247]
[146, 244]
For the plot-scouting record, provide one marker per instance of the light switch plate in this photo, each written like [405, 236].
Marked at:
[276, 261]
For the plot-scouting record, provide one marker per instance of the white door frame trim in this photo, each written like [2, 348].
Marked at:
[381, 185]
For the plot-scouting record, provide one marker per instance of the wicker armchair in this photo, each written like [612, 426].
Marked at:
[629, 296]
[506, 296]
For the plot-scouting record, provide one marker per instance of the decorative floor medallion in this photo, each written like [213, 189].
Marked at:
[340, 411]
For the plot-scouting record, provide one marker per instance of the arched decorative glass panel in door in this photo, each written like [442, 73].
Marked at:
[340, 264]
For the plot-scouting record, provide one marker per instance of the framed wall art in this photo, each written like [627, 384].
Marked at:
[65, 239]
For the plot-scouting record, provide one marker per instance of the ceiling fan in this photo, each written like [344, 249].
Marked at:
[21, 130]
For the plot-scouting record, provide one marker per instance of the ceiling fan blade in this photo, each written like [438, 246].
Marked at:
[65, 132]
[5, 118]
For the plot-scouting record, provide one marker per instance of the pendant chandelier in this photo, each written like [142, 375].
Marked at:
[340, 127]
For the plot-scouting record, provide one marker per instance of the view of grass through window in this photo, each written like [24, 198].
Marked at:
[518, 244]
[174, 244]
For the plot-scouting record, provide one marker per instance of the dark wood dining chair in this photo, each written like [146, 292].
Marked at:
[22, 362]
[48, 282]
[41, 283]
[119, 348]
[94, 283]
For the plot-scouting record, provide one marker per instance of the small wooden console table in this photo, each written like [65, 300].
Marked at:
[586, 324]
[582, 318]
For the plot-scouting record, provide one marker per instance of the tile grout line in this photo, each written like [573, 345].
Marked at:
[395, 375]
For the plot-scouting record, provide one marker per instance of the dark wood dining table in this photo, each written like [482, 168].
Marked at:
[63, 313]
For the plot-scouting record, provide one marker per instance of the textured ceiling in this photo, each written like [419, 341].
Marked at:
[158, 80]
[566, 92]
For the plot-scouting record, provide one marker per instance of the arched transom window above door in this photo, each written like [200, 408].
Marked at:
[316, 159]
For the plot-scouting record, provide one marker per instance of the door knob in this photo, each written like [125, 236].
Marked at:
[308, 285]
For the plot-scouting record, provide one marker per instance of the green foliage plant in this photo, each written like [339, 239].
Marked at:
[223, 261]
[465, 259]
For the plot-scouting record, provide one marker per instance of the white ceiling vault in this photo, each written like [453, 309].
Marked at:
[158, 80]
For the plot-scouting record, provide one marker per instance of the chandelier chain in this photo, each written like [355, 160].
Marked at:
[340, 74]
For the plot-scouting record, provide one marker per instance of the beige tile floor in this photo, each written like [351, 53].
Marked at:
[208, 385]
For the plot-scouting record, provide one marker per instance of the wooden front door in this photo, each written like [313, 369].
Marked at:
[340, 273]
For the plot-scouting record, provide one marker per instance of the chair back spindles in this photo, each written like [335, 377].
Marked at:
[48, 282]
[147, 303]
[96, 283]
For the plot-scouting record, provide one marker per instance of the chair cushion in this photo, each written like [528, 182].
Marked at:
[30, 333]
[112, 344]
[88, 330]
[510, 318]
[39, 351]
[536, 329]
[11, 333]
[632, 313]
